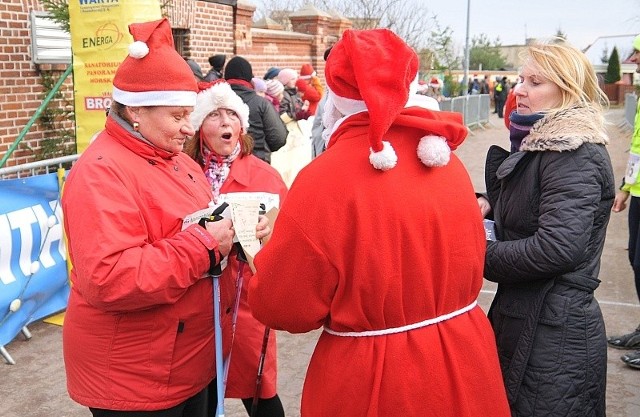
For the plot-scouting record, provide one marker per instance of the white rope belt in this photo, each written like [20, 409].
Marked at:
[406, 328]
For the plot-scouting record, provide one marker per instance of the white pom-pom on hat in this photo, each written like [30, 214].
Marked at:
[138, 50]
[434, 151]
[168, 79]
[384, 159]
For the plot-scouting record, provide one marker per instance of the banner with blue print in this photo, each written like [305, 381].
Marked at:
[33, 271]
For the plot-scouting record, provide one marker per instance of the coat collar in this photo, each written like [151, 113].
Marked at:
[241, 170]
[567, 130]
[133, 141]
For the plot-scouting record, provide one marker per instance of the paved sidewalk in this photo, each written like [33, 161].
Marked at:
[35, 386]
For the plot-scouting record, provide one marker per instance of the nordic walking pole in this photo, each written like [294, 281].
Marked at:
[263, 353]
[236, 306]
[218, 336]
[215, 275]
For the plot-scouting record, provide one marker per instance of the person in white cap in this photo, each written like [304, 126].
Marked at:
[223, 149]
[138, 335]
[380, 242]
[631, 187]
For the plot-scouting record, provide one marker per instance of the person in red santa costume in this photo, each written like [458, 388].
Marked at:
[223, 149]
[385, 252]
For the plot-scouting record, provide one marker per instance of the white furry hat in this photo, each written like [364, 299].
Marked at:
[219, 96]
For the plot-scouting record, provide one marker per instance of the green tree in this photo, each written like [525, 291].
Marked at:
[446, 58]
[485, 54]
[613, 68]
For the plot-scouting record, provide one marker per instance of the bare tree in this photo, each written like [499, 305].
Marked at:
[411, 22]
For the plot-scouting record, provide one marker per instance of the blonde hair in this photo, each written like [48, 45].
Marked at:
[568, 68]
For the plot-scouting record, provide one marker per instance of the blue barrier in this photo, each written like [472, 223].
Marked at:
[33, 270]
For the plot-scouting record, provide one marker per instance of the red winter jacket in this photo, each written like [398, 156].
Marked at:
[138, 332]
[311, 91]
[250, 174]
[358, 249]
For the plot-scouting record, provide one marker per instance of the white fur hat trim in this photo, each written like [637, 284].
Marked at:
[138, 50]
[384, 159]
[219, 96]
[433, 151]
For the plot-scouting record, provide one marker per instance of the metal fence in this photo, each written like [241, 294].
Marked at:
[475, 108]
[38, 167]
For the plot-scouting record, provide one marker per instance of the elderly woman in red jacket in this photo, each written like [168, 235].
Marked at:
[138, 332]
[223, 149]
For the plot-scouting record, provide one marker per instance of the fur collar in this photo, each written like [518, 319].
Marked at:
[567, 130]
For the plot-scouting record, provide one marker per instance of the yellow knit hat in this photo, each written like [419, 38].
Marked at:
[636, 43]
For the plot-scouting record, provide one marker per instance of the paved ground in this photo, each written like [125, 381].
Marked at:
[35, 386]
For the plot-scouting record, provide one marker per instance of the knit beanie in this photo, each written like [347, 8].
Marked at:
[274, 87]
[238, 68]
[259, 85]
[271, 73]
[286, 75]
[636, 43]
[217, 61]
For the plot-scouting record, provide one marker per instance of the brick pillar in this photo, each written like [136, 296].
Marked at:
[312, 21]
[243, 22]
[338, 25]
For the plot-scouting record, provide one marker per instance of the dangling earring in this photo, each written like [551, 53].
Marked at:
[136, 126]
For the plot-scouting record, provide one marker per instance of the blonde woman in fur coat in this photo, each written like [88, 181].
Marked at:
[550, 198]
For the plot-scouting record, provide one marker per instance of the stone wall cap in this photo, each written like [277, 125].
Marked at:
[268, 23]
[309, 10]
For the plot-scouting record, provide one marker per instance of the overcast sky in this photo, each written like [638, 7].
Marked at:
[581, 20]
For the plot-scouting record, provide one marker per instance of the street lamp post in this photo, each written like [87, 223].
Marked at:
[465, 78]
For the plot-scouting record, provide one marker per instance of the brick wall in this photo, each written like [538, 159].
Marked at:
[213, 28]
[21, 90]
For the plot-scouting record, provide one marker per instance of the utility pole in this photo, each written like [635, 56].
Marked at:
[465, 78]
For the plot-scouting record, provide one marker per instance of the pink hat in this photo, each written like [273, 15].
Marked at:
[286, 75]
[384, 93]
[307, 72]
[154, 74]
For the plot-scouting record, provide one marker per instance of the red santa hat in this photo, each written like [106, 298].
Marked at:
[307, 71]
[218, 95]
[154, 74]
[384, 91]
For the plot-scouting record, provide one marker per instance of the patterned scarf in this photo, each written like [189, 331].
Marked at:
[520, 126]
[216, 167]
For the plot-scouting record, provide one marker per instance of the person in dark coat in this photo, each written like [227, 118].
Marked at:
[550, 198]
[265, 126]
[217, 64]
[500, 92]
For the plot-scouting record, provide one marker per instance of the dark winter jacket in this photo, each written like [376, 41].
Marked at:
[291, 104]
[551, 204]
[265, 126]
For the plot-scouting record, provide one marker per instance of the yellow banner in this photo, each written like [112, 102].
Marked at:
[99, 41]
